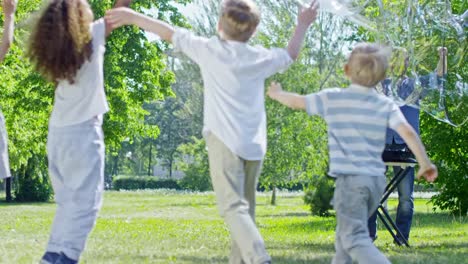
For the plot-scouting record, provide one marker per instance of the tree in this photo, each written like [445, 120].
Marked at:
[297, 149]
[194, 164]
[135, 73]
[421, 28]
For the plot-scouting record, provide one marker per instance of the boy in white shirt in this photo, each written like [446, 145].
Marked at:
[234, 76]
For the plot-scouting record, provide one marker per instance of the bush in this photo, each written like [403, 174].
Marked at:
[319, 195]
[448, 148]
[31, 182]
[197, 174]
[143, 182]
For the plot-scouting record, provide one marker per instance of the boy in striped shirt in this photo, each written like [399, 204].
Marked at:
[357, 119]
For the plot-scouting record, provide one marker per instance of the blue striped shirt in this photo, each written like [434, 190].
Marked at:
[357, 118]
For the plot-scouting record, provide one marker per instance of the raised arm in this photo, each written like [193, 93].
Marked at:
[306, 17]
[124, 16]
[291, 100]
[9, 7]
[442, 64]
[118, 3]
[427, 169]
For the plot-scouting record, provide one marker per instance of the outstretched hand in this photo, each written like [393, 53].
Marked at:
[9, 6]
[429, 172]
[442, 51]
[308, 14]
[120, 16]
[274, 89]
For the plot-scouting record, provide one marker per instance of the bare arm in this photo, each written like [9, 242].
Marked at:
[427, 169]
[306, 17]
[124, 16]
[290, 100]
[118, 3]
[9, 7]
[442, 64]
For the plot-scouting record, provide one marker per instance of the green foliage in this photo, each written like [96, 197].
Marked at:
[319, 195]
[26, 100]
[135, 73]
[143, 182]
[195, 166]
[32, 184]
[448, 147]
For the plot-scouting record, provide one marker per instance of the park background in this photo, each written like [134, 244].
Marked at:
[153, 140]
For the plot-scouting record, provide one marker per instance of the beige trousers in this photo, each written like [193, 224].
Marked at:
[234, 182]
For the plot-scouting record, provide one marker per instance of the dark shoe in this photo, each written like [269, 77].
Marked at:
[63, 259]
[399, 241]
[374, 238]
[49, 258]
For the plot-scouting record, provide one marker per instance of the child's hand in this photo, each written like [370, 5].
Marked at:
[308, 14]
[118, 17]
[442, 51]
[9, 7]
[274, 89]
[429, 172]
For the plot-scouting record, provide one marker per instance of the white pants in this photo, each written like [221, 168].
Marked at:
[234, 182]
[4, 161]
[76, 168]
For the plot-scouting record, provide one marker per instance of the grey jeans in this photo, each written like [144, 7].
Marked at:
[355, 199]
[234, 182]
[76, 168]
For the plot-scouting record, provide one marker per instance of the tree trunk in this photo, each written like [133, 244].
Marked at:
[150, 158]
[116, 166]
[170, 167]
[273, 195]
[8, 189]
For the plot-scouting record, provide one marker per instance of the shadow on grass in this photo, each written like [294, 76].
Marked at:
[307, 246]
[275, 259]
[442, 246]
[287, 214]
[312, 225]
[4, 203]
[436, 219]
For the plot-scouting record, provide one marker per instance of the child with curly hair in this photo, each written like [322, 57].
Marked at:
[67, 47]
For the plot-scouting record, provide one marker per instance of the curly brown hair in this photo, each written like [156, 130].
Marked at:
[60, 42]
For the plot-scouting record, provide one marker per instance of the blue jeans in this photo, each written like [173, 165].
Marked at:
[404, 215]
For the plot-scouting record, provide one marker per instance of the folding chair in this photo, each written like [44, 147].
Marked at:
[404, 159]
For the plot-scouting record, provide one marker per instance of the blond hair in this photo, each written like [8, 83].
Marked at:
[239, 19]
[368, 64]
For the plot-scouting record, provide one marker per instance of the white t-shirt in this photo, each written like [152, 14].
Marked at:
[234, 76]
[85, 98]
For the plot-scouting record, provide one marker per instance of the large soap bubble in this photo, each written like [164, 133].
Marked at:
[422, 74]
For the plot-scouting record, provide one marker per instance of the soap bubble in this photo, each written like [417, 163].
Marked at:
[422, 73]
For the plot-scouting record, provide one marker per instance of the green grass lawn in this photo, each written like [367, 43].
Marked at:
[169, 227]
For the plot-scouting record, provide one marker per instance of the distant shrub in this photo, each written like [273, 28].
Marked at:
[197, 174]
[143, 182]
[31, 183]
[319, 195]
